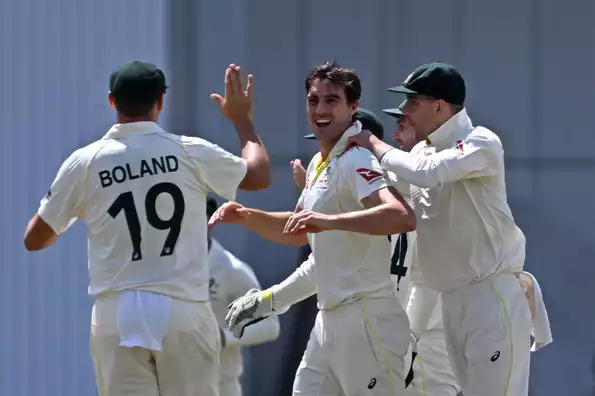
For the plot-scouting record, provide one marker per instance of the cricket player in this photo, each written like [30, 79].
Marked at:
[230, 279]
[433, 374]
[468, 246]
[142, 195]
[345, 213]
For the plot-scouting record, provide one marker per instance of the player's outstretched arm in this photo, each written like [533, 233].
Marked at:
[250, 309]
[479, 155]
[268, 225]
[237, 106]
[386, 213]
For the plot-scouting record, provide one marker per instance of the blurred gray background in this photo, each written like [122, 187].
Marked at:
[529, 70]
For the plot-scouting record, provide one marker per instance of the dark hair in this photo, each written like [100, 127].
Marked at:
[211, 206]
[455, 108]
[331, 71]
[138, 105]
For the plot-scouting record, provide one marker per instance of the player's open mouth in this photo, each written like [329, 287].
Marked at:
[322, 123]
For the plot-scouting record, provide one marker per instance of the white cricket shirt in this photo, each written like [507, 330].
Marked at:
[230, 278]
[465, 229]
[142, 194]
[348, 265]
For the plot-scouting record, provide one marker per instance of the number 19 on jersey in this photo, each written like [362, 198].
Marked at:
[125, 202]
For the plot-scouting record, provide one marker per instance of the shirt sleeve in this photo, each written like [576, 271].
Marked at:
[364, 174]
[63, 202]
[219, 170]
[297, 287]
[480, 155]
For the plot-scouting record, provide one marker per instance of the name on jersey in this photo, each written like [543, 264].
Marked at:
[126, 172]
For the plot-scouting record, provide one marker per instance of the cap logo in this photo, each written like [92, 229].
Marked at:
[408, 79]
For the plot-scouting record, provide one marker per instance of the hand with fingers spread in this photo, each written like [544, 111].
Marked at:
[229, 213]
[238, 102]
[307, 221]
[299, 173]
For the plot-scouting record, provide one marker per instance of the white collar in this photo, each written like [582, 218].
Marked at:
[457, 127]
[132, 128]
[341, 145]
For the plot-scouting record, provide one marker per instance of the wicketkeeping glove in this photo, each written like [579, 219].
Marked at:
[252, 307]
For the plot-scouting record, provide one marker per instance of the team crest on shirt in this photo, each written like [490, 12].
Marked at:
[369, 175]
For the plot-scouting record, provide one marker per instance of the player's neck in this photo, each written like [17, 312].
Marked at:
[122, 119]
[327, 146]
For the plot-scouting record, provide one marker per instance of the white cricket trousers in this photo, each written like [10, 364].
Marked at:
[488, 328]
[433, 375]
[187, 365]
[356, 349]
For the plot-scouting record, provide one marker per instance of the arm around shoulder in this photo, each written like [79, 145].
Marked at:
[479, 155]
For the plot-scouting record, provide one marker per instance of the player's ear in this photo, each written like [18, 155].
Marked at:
[112, 100]
[160, 102]
[442, 105]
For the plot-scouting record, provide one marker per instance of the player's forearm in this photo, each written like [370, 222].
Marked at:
[258, 175]
[385, 219]
[269, 225]
[421, 172]
[298, 286]
[266, 330]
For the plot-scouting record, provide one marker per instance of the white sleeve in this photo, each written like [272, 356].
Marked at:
[480, 155]
[63, 202]
[219, 170]
[363, 173]
[297, 287]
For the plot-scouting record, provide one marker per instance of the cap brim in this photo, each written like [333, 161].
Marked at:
[310, 136]
[396, 112]
[402, 89]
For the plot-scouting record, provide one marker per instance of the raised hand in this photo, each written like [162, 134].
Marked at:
[238, 102]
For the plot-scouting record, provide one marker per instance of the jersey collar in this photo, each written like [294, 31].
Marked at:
[341, 145]
[132, 128]
[457, 127]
